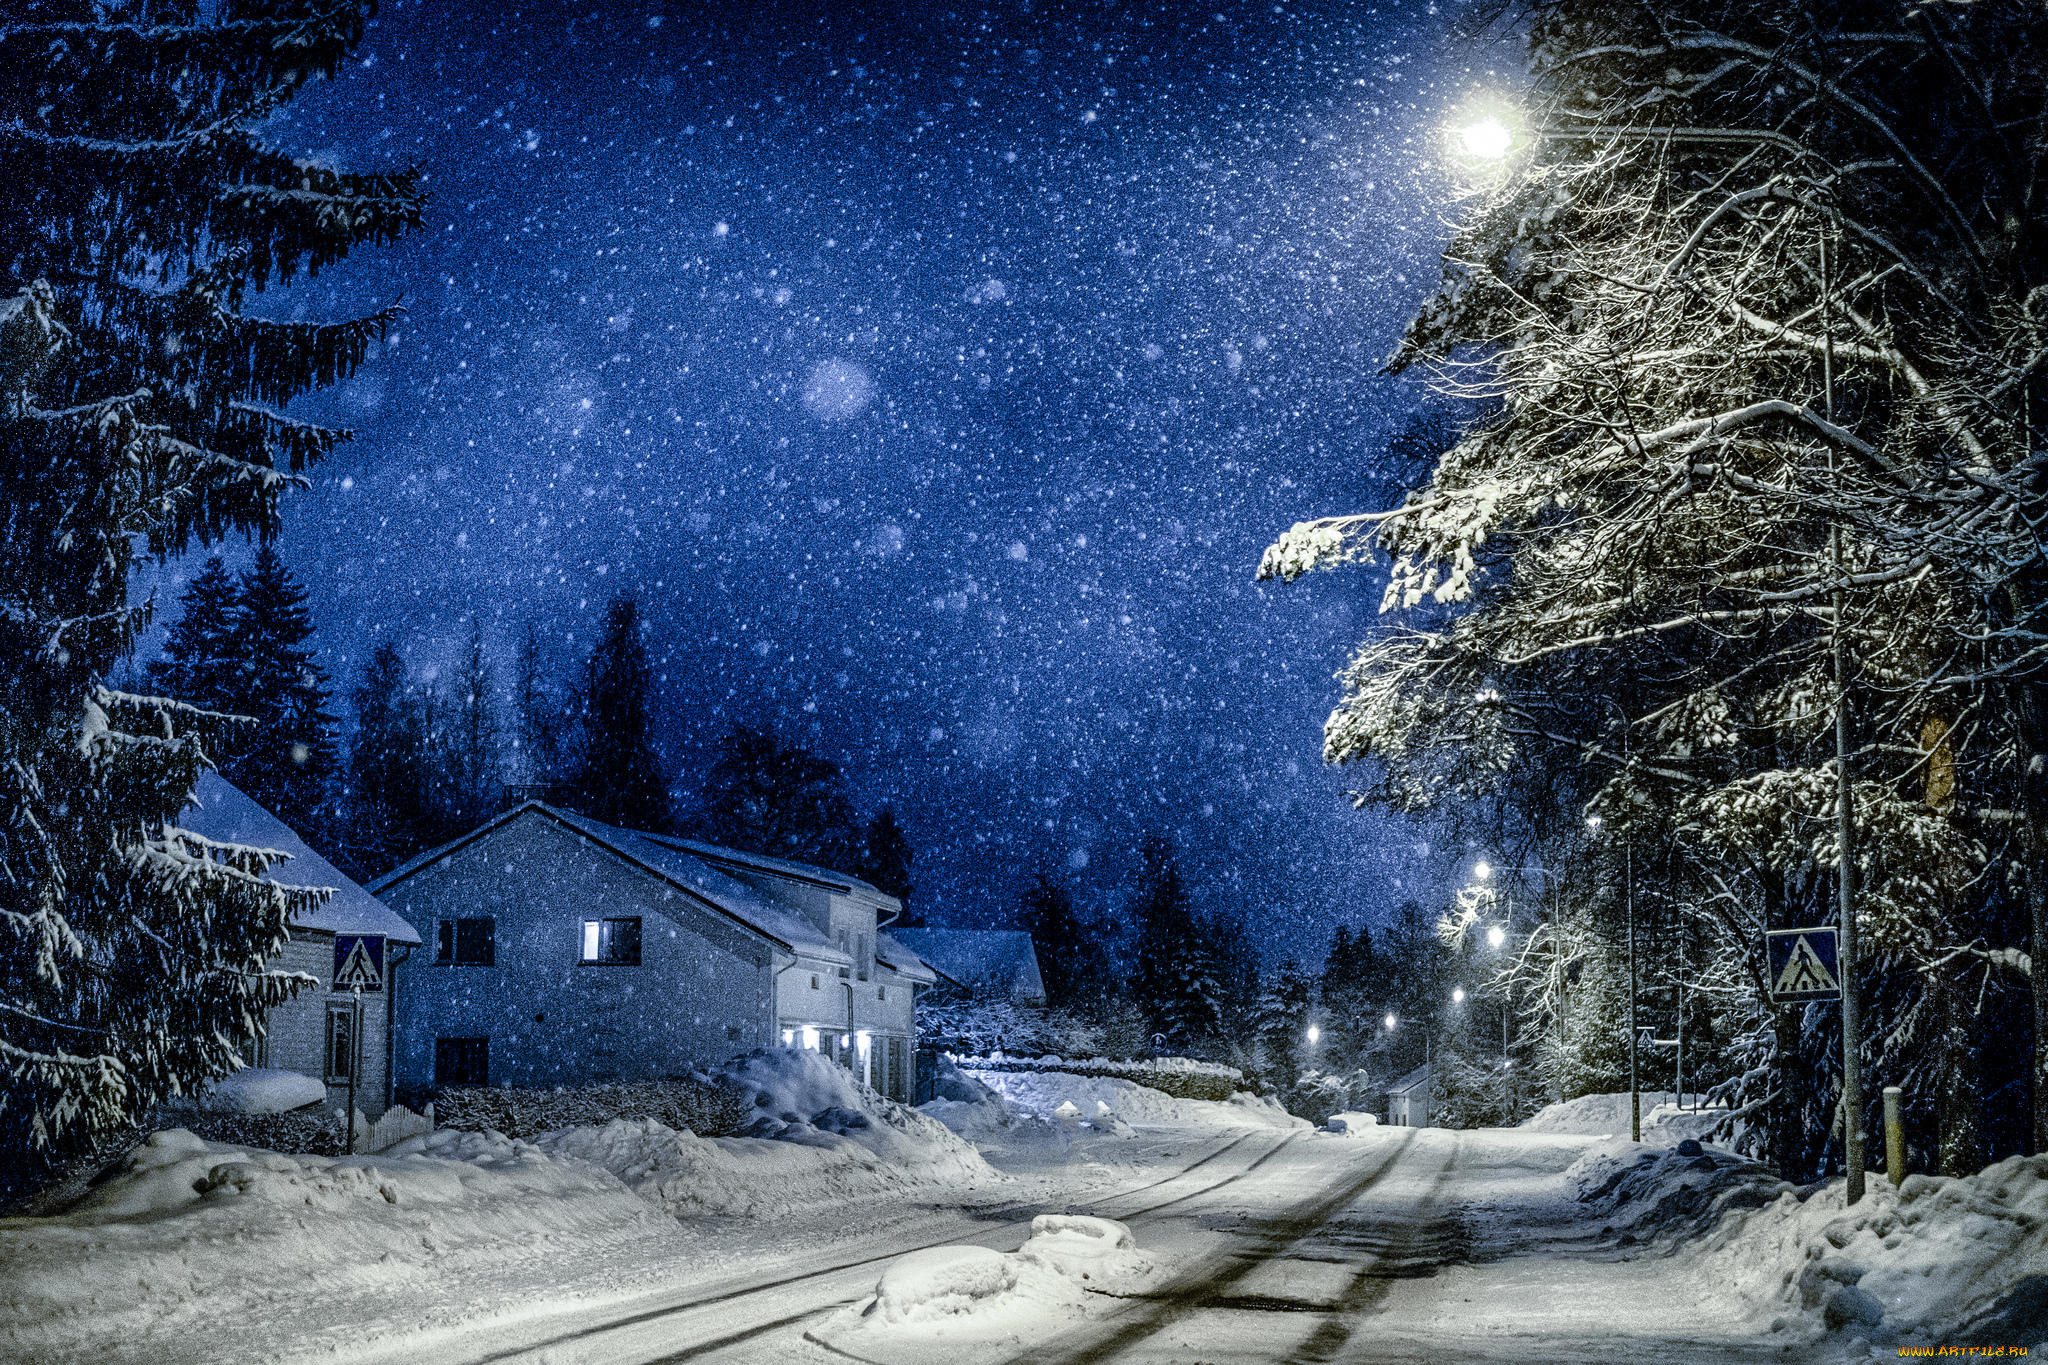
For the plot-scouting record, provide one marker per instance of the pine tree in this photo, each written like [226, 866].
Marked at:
[468, 755]
[1281, 1021]
[540, 719]
[1174, 978]
[767, 796]
[287, 761]
[390, 805]
[140, 411]
[886, 856]
[618, 777]
[201, 663]
[1070, 951]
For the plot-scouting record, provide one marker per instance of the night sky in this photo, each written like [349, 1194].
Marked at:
[934, 378]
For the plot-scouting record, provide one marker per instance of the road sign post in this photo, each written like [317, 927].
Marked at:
[358, 967]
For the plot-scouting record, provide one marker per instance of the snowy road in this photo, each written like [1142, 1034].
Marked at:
[1402, 1245]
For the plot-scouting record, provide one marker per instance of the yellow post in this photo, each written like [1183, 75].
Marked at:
[1894, 1138]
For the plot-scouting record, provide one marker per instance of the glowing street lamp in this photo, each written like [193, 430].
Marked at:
[1457, 995]
[1315, 1035]
[1482, 869]
[1486, 138]
[1392, 1022]
[1495, 936]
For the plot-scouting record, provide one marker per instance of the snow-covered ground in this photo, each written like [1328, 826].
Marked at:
[1007, 1216]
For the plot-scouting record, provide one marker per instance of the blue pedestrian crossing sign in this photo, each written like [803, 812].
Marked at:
[359, 962]
[1801, 963]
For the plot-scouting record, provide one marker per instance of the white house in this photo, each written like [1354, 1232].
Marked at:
[1001, 962]
[325, 1029]
[564, 951]
[1410, 1099]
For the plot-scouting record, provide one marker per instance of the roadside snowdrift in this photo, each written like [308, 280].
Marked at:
[1664, 1121]
[192, 1232]
[1947, 1261]
[955, 1295]
[1042, 1093]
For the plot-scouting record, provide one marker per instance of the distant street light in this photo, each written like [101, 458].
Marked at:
[1457, 995]
[1495, 936]
[1315, 1035]
[1482, 870]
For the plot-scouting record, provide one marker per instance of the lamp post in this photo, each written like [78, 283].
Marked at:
[1628, 882]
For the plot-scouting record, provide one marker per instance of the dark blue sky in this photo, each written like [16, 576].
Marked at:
[934, 377]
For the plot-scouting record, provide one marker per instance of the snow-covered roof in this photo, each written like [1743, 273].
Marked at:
[220, 811]
[657, 856]
[1003, 958]
[1414, 1080]
[891, 953]
[825, 877]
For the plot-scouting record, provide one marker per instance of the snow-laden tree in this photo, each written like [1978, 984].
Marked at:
[886, 855]
[286, 762]
[618, 776]
[201, 665]
[770, 795]
[1758, 292]
[467, 766]
[1174, 973]
[141, 410]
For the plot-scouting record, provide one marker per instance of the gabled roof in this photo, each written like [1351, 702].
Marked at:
[704, 884]
[1414, 1080]
[1005, 959]
[789, 870]
[892, 954]
[221, 812]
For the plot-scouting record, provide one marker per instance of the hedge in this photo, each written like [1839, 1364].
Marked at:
[1181, 1077]
[697, 1103]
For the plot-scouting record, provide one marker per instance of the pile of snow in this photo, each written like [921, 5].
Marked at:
[1098, 1097]
[1351, 1123]
[261, 1090]
[803, 1097]
[193, 1234]
[1665, 1122]
[972, 1294]
[1937, 1260]
[764, 1178]
[1647, 1193]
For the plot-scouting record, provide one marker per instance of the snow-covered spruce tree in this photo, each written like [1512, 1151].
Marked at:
[1759, 292]
[286, 761]
[388, 806]
[618, 776]
[140, 412]
[200, 665]
[1174, 974]
[772, 796]
[466, 758]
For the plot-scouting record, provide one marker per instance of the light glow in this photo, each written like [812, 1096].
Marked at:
[1486, 138]
[810, 1038]
[1483, 870]
[1457, 995]
[1392, 1022]
[1496, 936]
[1315, 1035]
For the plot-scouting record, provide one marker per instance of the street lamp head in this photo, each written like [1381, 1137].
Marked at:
[1487, 138]
[1482, 869]
[1391, 1020]
[1457, 995]
[1495, 936]
[1315, 1035]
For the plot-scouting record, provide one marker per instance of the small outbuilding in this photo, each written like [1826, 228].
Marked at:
[351, 946]
[1412, 1099]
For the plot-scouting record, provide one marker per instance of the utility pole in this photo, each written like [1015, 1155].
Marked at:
[1845, 811]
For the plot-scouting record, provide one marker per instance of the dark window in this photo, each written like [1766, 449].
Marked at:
[467, 942]
[341, 1043]
[462, 1061]
[612, 942]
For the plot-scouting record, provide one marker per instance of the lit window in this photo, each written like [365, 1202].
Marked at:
[810, 1038]
[612, 942]
[789, 1037]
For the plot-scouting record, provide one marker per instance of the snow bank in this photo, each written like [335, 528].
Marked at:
[804, 1098]
[1043, 1092]
[1351, 1123]
[1647, 1193]
[192, 1233]
[261, 1090]
[687, 1176]
[972, 1294]
[1665, 1123]
[1937, 1260]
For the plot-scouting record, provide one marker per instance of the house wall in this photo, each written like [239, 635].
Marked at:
[296, 1030]
[704, 989]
